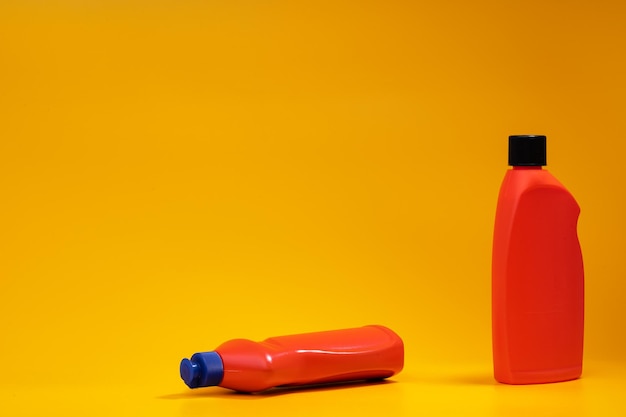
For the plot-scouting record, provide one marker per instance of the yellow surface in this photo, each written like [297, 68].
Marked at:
[175, 174]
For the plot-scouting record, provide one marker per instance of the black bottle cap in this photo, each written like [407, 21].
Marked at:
[527, 150]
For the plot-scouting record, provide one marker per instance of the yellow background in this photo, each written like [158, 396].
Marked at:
[174, 174]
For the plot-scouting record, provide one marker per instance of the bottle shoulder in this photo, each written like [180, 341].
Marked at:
[526, 196]
[531, 178]
[518, 183]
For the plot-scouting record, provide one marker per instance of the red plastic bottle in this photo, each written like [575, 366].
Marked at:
[537, 273]
[370, 352]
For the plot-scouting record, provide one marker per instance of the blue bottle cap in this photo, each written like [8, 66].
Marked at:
[204, 369]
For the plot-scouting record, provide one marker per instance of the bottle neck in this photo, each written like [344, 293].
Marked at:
[527, 168]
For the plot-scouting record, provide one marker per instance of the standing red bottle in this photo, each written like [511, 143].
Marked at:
[370, 352]
[537, 273]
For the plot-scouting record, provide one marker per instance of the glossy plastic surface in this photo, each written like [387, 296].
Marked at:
[370, 352]
[537, 281]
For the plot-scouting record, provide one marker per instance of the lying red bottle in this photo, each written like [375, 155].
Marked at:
[537, 275]
[370, 352]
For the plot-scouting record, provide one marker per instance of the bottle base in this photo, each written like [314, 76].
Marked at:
[539, 377]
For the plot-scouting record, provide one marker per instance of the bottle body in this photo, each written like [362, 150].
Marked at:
[537, 281]
[370, 352]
